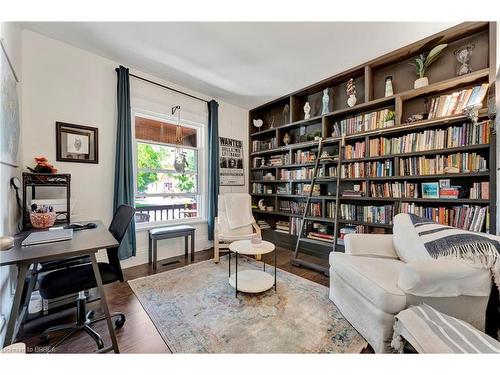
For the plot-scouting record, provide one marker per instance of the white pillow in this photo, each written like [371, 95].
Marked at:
[444, 278]
[407, 242]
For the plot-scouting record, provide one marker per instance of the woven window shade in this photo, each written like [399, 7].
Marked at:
[164, 132]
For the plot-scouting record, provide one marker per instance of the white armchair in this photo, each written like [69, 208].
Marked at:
[370, 284]
[223, 233]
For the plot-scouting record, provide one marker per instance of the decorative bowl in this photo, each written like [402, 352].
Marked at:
[256, 240]
[41, 220]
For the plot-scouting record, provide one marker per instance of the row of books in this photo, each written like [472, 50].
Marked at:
[295, 223]
[448, 192]
[351, 193]
[353, 170]
[258, 162]
[278, 160]
[258, 188]
[480, 190]
[465, 217]
[330, 209]
[282, 188]
[361, 123]
[296, 174]
[331, 171]
[263, 224]
[261, 145]
[301, 157]
[324, 237]
[428, 140]
[441, 164]
[283, 226]
[394, 190]
[372, 169]
[455, 103]
[304, 189]
[356, 151]
[318, 231]
[351, 229]
[298, 208]
[367, 214]
[257, 175]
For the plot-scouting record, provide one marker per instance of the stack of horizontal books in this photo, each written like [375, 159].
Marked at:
[283, 227]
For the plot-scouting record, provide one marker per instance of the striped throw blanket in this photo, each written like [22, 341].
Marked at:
[479, 249]
[430, 331]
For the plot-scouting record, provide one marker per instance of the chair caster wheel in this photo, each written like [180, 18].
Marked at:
[100, 344]
[44, 339]
[120, 321]
[90, 315]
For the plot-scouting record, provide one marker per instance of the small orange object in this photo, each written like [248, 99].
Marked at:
[43, 164]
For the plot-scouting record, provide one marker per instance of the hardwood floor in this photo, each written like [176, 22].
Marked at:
[138, 335]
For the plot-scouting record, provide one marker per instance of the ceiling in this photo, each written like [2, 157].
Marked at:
[246, 64]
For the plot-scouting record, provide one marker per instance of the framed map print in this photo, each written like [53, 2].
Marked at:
[9, 111]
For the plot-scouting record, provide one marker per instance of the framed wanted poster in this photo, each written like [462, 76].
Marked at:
[231, 162]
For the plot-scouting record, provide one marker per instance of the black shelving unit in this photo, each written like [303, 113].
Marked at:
[35, 180]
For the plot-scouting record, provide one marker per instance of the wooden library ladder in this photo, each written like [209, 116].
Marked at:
[296, 261]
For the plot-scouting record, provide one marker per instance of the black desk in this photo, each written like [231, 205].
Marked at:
[84, 242]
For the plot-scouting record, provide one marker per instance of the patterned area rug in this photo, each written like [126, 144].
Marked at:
[195, 311]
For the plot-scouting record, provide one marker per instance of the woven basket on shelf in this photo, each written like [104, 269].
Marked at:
[42, 220]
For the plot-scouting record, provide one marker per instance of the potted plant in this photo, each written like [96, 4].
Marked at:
[317, 135]
[389, 118]
[422, 63]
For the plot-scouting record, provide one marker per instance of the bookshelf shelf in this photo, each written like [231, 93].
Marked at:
[442, 151]
[426, 200]
[370, 79]
[376, 225]
[432, 176]
[446, 85]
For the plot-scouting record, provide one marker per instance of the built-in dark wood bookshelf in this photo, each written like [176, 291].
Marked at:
[289, 176]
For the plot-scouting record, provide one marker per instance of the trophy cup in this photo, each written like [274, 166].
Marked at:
[463, 56]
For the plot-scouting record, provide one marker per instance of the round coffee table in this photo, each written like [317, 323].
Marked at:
[251, 281]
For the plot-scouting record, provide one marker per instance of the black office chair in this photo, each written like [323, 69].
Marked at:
[77, 279]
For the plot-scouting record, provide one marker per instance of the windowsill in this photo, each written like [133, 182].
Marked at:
[142, 227]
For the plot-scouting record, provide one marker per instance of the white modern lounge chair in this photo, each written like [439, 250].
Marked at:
[234, 221]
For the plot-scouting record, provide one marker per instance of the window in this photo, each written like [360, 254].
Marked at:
[162, 193]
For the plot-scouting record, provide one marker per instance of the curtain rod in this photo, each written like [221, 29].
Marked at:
[166, 87]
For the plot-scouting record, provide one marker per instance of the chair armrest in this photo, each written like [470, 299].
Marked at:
[375, 245]
[257, 229]
[444, 278]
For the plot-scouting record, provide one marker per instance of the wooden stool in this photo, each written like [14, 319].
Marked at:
[169, 232]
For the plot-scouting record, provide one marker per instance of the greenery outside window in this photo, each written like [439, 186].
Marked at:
[162, 193]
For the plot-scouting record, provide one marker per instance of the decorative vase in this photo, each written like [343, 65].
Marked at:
[388, 87]
[307, 111]
[286, 114]
[351, 92]
[421, 82]
[326, 102]
[389, 123]
[286, 139]
[351, 101]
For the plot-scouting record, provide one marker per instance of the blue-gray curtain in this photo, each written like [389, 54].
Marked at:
[124, 169]
[213, 164]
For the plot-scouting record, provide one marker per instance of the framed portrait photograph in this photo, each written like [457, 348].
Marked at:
[76, 143]
[430, 190]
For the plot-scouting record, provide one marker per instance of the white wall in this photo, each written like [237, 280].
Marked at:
[64, 83]
[11, 37]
